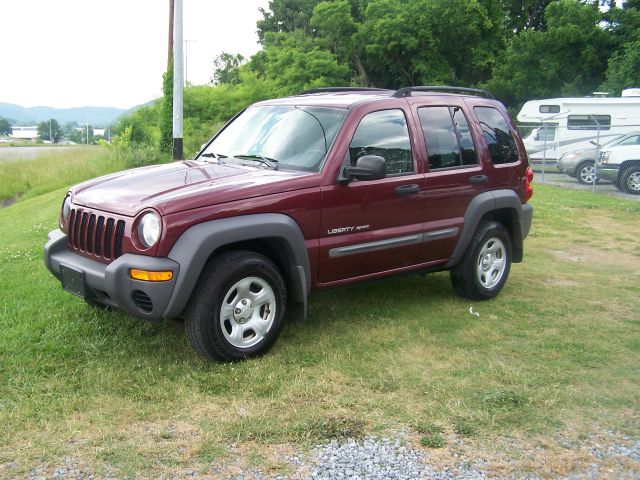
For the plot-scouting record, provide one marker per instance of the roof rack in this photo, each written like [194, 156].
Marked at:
[341, 89]
[406, 92]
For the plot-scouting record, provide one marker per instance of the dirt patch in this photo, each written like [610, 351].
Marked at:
[592, 255]
[5, 202]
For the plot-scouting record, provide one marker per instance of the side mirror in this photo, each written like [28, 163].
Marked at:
[368, 167]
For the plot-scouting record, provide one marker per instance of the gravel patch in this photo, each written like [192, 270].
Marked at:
[375, 458]
[370, 459]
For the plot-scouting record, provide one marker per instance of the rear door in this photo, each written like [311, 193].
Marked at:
[454, 169]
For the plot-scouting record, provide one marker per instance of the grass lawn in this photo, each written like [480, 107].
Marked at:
[55, 169]
[556, 355]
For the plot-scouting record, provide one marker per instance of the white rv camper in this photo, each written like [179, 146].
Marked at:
[566, 124]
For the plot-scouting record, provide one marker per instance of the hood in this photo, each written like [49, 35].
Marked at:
[180, 186]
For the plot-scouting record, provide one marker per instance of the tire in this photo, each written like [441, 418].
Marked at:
[484, 268]
[630, 180]
[237, 308]
[585, 172]
[616, 183]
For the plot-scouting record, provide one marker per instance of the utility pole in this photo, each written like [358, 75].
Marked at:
[170, 47]
[178, 80]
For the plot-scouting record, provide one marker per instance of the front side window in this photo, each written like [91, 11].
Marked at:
[447, 137]
[632, 140]
[497, 134]
[295, 137]
[589, 122]
[385, 134]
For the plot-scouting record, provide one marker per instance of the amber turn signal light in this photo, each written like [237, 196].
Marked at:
[150, 276]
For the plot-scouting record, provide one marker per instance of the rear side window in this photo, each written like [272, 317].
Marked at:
[497, 134]
[384, 133]
[447, 137]
[589, 122]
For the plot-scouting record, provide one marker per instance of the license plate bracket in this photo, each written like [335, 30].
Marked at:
[73, 281]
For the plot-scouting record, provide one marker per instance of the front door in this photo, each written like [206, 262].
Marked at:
[374, 226]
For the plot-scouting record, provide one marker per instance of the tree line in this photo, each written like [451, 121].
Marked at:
[519, 50]
[52, 131]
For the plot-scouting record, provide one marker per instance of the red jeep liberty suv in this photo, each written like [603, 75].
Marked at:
[330, 187]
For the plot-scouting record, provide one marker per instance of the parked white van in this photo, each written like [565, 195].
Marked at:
[566, 124]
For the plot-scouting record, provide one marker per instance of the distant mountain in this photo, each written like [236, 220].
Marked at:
[96, 116]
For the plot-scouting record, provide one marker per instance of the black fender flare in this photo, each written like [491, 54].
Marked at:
[483, 205]
[194, 247]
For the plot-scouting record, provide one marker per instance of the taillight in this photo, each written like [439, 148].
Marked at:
[528, 189]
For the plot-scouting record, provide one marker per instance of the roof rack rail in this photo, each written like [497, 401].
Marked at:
[406, 92]
[341, 89]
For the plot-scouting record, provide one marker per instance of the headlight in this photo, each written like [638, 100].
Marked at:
[65, 213]
[149, 229]
[604, 156]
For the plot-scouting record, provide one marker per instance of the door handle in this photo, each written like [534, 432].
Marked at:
[477, 179]
[407, 189]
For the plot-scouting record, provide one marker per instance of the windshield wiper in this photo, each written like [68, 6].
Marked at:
[269, 162]
[217, 156]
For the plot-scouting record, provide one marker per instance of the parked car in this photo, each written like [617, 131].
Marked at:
[620, 163]
[579, 164]
[295, 195]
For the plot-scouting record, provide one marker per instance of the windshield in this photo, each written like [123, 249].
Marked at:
[297, 138]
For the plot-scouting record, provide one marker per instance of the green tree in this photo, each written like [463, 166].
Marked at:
[5, 127]
[50, 131]
[334, 26]
[166, 112]
[567, 59]
[227, 68]
[415, 42]
[286, 16]
[623, 69]
[295, 61]
[521, 15]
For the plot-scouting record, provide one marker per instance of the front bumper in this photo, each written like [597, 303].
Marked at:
[566, 166]
[608, 172]
[111, 284]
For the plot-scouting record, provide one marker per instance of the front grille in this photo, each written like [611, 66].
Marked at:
[95, 234]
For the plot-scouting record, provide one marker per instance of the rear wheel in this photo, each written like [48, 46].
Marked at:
[237, 309]
[484, 269]
[630, 180]
[585, 173]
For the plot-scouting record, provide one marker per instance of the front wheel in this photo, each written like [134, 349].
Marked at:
[630, 180]
[237, 308]
[485, 266]
[585, 173]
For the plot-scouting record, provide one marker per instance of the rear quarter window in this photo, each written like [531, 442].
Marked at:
[498, 135]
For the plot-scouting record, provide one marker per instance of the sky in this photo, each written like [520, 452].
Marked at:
[111, 53]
